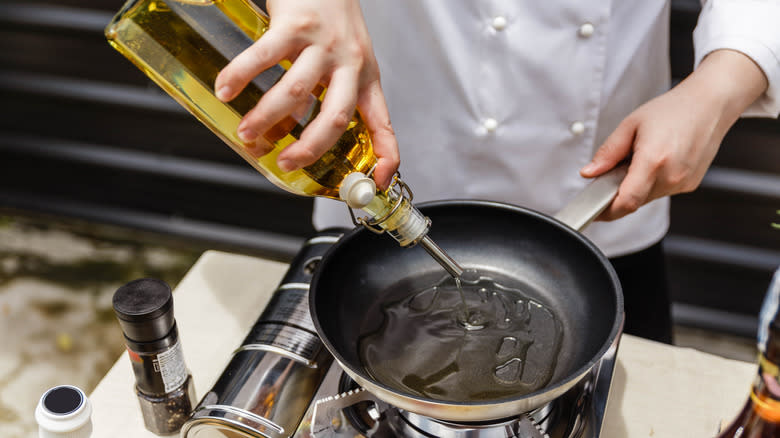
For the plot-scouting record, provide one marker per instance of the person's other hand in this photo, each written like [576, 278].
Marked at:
[328, 44]
[672, 139]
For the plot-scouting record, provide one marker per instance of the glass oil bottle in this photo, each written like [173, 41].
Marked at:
[760, 416]
[183, 44]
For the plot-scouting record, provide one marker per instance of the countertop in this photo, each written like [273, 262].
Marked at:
[657, 390]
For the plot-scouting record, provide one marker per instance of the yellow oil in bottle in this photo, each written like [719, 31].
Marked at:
[183, 44]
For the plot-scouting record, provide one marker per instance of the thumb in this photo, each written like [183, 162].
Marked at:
[614, 150]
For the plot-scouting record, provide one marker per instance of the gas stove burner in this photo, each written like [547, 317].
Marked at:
[364, 415]
[356, 412]
[372, 417]
[412, 425]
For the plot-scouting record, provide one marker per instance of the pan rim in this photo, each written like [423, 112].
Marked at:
[418, 401]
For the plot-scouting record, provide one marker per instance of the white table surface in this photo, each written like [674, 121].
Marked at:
[657, 390]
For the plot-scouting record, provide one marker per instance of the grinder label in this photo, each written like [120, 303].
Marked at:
[170, 365]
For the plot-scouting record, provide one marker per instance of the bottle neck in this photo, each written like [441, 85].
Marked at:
[392, 211]
[771, 349]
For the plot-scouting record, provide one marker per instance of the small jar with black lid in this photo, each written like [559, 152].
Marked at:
[64, 412]
[164, 386]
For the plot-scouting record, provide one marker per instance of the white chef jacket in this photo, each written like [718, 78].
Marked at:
[507, 100]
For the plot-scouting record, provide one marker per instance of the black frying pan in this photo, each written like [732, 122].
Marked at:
[555, 265]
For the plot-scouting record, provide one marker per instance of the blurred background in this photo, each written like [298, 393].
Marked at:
[104, 179]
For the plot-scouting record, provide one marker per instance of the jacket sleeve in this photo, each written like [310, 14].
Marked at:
[751, 27]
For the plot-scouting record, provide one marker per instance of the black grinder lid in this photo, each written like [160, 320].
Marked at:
[144, 308]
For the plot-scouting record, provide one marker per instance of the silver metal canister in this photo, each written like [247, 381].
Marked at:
[271, 379]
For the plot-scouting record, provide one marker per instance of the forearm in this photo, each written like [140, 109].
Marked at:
[729, 80]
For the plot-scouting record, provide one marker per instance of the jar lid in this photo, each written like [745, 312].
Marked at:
[64, 412]
[144, 308]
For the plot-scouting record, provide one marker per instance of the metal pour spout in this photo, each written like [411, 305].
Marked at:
[441, 256]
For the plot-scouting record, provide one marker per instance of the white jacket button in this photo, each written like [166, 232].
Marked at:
[586, 30]
[577, 128]
[499, 23]
[490, 124]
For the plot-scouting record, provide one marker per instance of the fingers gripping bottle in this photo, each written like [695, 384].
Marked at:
[183, 44]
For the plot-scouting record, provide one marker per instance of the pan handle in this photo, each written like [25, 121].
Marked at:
[593, 199]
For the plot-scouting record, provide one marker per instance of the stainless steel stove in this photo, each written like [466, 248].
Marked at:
[282, 382]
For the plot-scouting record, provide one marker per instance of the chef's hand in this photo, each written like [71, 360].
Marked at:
[673, 138]
[328, 44]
